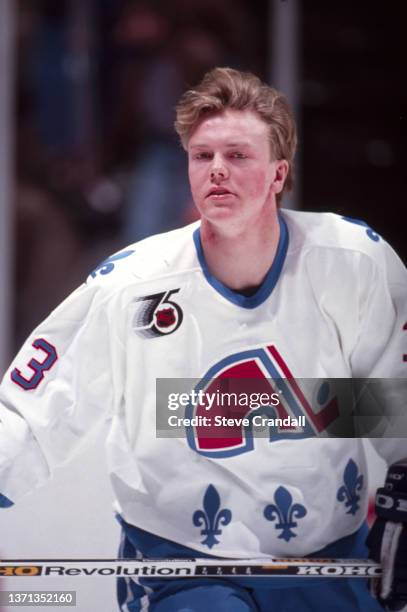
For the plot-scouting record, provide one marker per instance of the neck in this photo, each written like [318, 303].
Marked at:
[240, 259]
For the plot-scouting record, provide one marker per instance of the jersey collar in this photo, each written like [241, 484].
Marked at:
[267, 285]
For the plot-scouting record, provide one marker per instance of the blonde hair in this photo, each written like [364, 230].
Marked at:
[224, 88]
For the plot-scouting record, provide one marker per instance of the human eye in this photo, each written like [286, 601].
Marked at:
[203, 155]
[238, 155]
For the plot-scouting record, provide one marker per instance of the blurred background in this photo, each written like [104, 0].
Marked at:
[88, 90]
[89, 160]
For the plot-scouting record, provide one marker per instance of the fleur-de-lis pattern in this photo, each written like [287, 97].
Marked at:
[211, 517]
[353, 482]
[285, 511]
[107, 266]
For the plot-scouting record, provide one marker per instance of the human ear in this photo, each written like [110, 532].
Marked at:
[281, 171]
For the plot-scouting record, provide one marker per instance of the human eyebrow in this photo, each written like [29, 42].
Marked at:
[199, 146]
[237, 144]
[229, 145]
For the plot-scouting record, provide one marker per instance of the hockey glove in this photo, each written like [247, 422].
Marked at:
[387, 540]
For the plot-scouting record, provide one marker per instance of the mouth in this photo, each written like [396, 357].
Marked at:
[219, 192]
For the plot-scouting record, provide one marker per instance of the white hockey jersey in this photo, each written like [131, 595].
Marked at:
[333, 305]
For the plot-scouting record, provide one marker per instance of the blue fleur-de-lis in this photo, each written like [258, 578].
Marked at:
[211, 517]
[285, 511]
[106, 266]
[347, 492]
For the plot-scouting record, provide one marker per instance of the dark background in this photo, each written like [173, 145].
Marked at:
[354, 113]
[98, 164]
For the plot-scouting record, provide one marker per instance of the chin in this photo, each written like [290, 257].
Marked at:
[220, 215]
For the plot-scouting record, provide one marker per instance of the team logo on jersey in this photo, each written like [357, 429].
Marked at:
[348, 492]
[211, 517]
[284, 511]
[157, 315]
[256, 371]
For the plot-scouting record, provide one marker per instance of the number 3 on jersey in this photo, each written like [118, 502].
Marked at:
[38, 367]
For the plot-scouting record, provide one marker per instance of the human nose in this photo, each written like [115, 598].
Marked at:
[219, 171]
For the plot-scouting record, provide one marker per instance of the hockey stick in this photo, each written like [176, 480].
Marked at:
[193, 568]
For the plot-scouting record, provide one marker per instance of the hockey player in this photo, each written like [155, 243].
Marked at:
[250, 292]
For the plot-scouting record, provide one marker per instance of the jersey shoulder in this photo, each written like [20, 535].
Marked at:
[339, 235]
[309, 230]
[329, 240]
[139, 267]
[162, 255]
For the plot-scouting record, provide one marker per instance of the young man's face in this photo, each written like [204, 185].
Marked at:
[232, 174]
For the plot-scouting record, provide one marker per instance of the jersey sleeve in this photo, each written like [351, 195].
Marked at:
[379, 358]
[56, 392]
